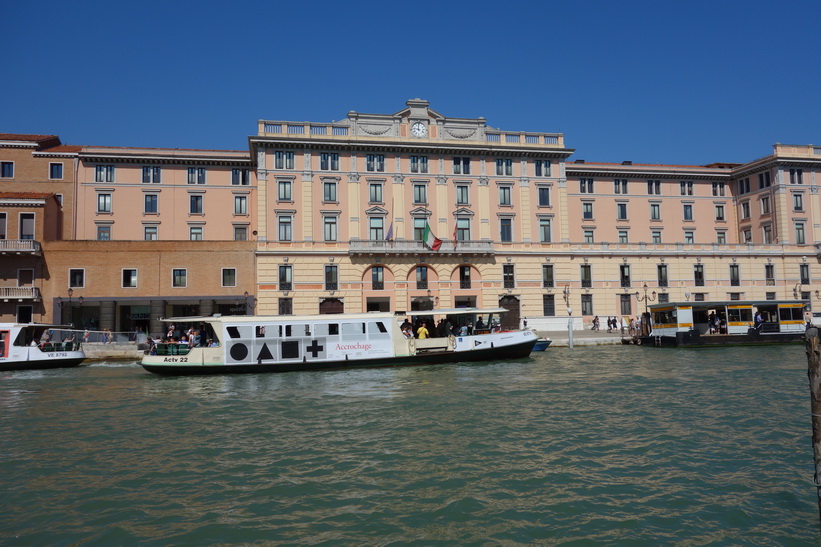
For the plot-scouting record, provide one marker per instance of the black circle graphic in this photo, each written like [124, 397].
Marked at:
[239, 352]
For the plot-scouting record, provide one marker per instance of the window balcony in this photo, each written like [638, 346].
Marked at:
[699, 282]
[378, 285]
[331, 286]
[19, 247]
[587, 283]
[19, 293]
[421, 285]
[770, 281]
[464, 284]
[547, 284]
[286, 286]
[378, 247]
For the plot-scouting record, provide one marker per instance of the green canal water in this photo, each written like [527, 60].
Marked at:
[609, 444]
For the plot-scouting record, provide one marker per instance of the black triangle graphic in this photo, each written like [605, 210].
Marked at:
[264, 353]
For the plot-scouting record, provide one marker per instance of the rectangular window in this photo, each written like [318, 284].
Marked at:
[195, 204]
[765, 205]
[542, 168]
[623, 236]
[769, 274]
[624, 275]
[655, 211]
[661, 275]
[689, 237]
[688, 211]
[285, 306]
[103, 203]
[698, 297]
[419, 229]
[240, 233]
[547, 276]
[744, 186]
[686, 188]
[799, 233]
[283, 160]
[329, 191]
[735, 275]
[589, 236]
[505, 196]
[544, 230]
[504, 168]
[548, 305]
[285, 277]
[764, 180]
[587, 304]
[76, 278]
[506, 230]
[240, 177]
[104, 232]
[196, 175]
[329, 226]
[798, 202]
[104, 173]
[151, 204]
[804, 272]
[587, 275]
[586, 186]
[284, 225]
[419, 164]
[462, 194]
[7, 169]
[3, 226]
[130, 278]
[796, 176]
[767, 233]
[463, 229]
[420, 193]
[240, 205]
[747, 236]
[654, 187]
[625, 304]
[464, 277]
[375, 192]
[378, 278]
[698, 275]
[620, 186]
[329, 161]
[229, 277]
[508, 279]
[769, 296]
[284, 190]
[152, 175]
[179, 277]
[621, 211]
[656, 235]
[721, 237]
[195, 233]
[664, 297]
[422, 277]
[331, 277]
[719, 212]
[461, 165]
[55, 171]
[544, 196]
[150, 233]
[718, 188]
[587, 210]
[376, 228]
[374, 162]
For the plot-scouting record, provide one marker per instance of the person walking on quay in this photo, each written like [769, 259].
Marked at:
[596, 323]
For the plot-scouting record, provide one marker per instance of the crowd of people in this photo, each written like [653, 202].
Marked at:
[444, 327]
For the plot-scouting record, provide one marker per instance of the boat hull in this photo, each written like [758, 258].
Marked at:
[542, 345]
[502, 353]
[41, 364]
[695, 340]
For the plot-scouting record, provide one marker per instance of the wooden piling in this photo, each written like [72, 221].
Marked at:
[814, 374]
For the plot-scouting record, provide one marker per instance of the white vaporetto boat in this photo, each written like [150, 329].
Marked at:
[23, 347]
[307, 342]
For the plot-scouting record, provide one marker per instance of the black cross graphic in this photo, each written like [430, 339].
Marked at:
[315, 348]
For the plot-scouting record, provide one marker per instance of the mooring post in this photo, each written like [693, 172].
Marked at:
[814, 374]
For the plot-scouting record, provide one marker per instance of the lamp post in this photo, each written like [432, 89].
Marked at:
[646, 298]
[570, 327]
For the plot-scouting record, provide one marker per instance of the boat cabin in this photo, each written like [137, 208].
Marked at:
[731, 317]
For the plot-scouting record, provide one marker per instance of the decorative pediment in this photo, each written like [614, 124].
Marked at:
[463, 212]
[376, 212]
[420, 212]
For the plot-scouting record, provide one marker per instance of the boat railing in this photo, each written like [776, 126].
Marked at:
[171, 349]
[70, 345]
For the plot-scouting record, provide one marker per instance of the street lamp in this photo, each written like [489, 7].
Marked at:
[569, 327]
[646, 298]
[62, 304]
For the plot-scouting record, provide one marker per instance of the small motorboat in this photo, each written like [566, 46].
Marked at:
[542, 344]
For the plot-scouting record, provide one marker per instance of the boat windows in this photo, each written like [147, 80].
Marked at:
[736, 315]
[664, 317]
[260, 331]
[327, 329]
[354, 330]
[791, 314]
[377, 330]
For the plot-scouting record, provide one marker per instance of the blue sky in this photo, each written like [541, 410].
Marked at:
[658, 81]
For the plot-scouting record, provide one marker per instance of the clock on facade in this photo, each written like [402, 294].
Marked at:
[419, 130]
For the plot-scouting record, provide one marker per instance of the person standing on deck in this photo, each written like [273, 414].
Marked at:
[422, 332]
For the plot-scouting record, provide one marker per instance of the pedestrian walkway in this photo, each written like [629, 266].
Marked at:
[584, 337]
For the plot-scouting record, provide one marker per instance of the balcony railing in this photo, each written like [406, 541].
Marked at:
[378, 285]
[378, 246]
[19, 246]
[20, 293]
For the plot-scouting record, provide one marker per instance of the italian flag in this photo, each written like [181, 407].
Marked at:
[430, 240]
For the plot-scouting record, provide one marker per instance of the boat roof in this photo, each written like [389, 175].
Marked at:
[47, 325]
[725, 303]
[326, 317]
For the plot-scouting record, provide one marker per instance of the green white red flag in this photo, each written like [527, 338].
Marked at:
[431, 241]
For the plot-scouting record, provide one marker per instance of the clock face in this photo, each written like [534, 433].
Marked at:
[419, 130]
